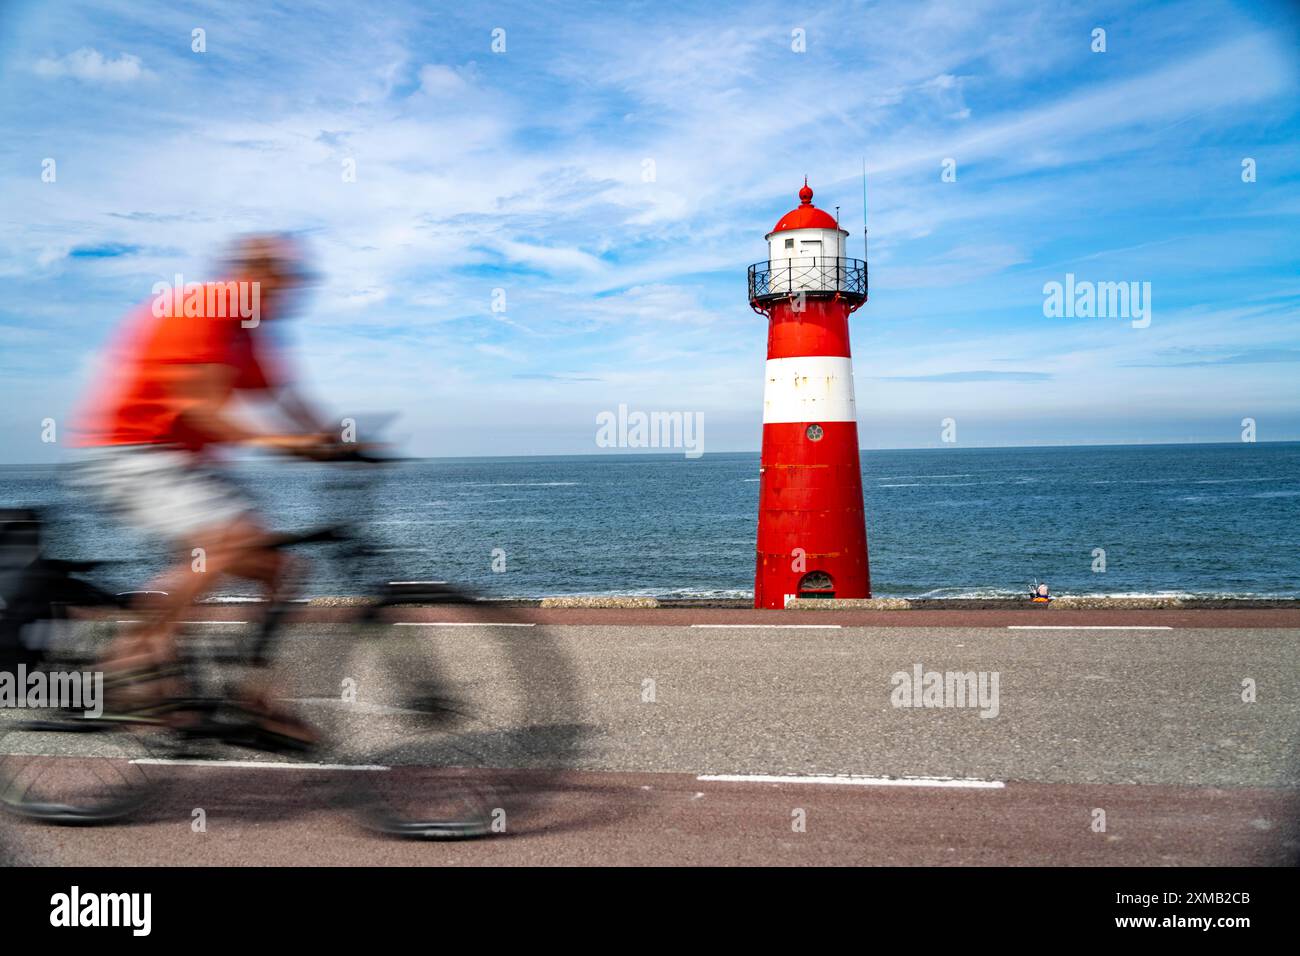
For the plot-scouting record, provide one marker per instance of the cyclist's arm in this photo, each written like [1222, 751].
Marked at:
[202, 393]
[293, 405]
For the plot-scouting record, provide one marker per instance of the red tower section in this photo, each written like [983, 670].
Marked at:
[812, 535]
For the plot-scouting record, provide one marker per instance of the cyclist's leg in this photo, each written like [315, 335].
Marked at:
[214, 531]
[151, 645]
[236, 550]
[203, 520]
[250, 558]
[204, 558]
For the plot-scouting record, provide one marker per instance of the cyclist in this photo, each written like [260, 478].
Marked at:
[150, 429]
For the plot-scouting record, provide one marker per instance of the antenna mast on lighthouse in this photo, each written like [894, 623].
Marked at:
[864, 209]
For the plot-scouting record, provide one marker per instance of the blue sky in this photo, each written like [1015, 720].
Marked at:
[524, 171]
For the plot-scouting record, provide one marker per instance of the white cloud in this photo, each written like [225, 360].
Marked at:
[548, 257]
[537, 162]
[501, 352]
[365, 297]
[91, 66]
[439, 80]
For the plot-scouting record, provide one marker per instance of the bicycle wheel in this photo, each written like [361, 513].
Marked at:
[453, 718]
[68, 765]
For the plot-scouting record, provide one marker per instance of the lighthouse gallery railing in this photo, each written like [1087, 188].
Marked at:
[782, 277]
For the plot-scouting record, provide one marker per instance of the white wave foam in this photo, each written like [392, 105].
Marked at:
[521, 484]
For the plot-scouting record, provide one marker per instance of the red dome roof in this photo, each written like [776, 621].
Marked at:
[806, 215]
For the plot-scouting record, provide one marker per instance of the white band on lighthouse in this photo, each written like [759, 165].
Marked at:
[809, 388]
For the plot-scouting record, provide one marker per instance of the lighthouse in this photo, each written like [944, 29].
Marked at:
[812, 533]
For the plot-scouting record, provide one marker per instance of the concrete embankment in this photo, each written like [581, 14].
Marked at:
[1079, 603]
[1064, 603]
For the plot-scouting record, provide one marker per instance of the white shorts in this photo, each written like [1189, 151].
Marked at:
[159, 490]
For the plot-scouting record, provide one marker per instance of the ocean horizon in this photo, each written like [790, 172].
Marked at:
[1116, 520]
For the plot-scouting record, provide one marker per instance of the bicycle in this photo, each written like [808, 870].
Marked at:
[426, 739]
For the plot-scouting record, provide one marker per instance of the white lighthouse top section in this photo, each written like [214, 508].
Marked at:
[806, 250]
[806, 243]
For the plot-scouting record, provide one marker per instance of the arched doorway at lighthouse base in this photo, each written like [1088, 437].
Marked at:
[816, 584]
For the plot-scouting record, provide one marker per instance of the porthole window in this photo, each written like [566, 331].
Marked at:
[814, 433]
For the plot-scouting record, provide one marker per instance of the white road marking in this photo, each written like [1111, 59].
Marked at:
[186, 622]
[802, 627]
[1088, 627]
[459, 624]
[255, 764]
[852, 780]
[357, 706]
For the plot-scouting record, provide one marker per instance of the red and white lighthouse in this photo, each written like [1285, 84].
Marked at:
[812, 533]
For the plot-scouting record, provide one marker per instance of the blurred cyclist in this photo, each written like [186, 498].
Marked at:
[151, 427]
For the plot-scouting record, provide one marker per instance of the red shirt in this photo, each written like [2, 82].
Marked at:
[135, 404]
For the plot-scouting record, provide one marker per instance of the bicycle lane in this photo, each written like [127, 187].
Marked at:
[278, 813]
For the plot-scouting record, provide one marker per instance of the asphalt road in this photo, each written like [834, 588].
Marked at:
[646, 743]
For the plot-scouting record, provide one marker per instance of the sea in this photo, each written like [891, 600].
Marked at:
[1212, 520]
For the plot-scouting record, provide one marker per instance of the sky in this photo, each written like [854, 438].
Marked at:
[613, 168]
